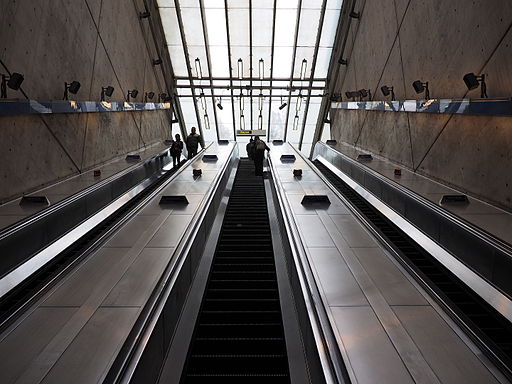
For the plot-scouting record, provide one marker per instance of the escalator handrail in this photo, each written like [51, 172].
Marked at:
[333, 366]
[472, 229]
[53, 208]
[481, 286]
[127, 361]
[19, 274]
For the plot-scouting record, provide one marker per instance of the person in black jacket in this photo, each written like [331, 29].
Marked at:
[250, 148]
[259, 155]
[193, 141]
[176, 149]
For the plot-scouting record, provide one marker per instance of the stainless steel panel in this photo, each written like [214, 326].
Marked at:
[314, 187]
[26, 341]
[88, 357]
[352, 231]
[336, 279]
[200, 187]
[137, 283]
[177, 209]
[92, 274]
[393, 285]
[372, 355]
[177, 188]
[297, 207]
[128, 235]
[293, 187]
[170, 232]
[449, 357]
[313, 231]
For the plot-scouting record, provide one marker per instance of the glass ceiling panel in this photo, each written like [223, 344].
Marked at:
[239, 45]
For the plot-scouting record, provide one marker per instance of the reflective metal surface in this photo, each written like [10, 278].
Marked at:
[491, 107]
[32, 107]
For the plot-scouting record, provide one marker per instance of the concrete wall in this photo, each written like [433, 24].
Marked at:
[398, 41]
[98, 43]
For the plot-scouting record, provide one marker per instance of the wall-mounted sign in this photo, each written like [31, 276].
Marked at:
[251, 132]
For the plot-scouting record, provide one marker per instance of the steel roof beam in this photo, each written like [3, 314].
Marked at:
[208, 59]
[313, 68]
[187, 60]
[296, 38]
[230, 69]
[271, 67]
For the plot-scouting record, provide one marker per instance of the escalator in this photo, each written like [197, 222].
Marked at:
[239, 335]
[490, 329]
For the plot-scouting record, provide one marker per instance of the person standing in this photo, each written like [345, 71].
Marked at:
[176, 149]
[193, 142]
[250, 148]
[259, 155]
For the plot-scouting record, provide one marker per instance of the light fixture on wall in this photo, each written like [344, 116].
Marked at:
[352, 95]
[260, 122]
[298, 105]
[365, 93]
[133, 93]
[260, 102]
[240, 68]
[144, 15]
[106, 91]
[199, 70]
[219, 104]
[386, 91]
[355, 15]
[162, 97]
[157, 61]
[242, 122]
[420, 86]
[342, 61]
[261, 69]
[206, 121]
[472, 81]
[72, 87]
[241, 102]
[13, 81]
[148, 95]
[202, 99]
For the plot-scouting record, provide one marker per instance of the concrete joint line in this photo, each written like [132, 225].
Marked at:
[412, 358]
[47, 358]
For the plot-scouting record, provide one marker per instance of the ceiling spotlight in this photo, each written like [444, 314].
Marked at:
[283, 105]
[241, 101]
[296, 122]
[13, 81]
[106, 91]
[73, 88]
[148, 95]
[260, 101]
[203, 101]
[419, 87]
[298, 105]
[472, 82]
[260, 122]
[157, 61]
[303, 69]
[355, 15]
[132, 93]
[242, 122]
[388, 90]
[240, 68]
[206, 121]
[261, 68]
[365, 93]
[199, 71]
[342, 61]
[144, 15]
[219, 104]
[162, 97]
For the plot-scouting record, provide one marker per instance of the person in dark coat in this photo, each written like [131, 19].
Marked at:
[250, 149]
[176, 149]
[193, 142]
[259, 155]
